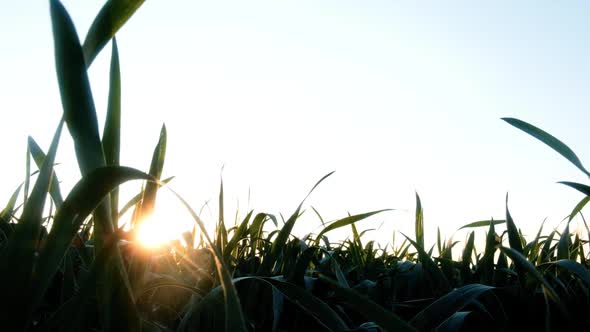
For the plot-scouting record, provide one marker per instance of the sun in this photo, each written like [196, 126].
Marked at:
[151, 233]
[162, 226]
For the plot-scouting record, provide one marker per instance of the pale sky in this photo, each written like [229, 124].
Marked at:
[395, 96]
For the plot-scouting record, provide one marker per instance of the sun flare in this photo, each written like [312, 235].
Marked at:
[151, 233]
[160, 228]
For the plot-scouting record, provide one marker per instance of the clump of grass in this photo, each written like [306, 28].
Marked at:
[75, 268]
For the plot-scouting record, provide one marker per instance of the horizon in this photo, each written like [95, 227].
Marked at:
[395, 99]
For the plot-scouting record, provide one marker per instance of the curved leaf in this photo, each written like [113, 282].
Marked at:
[6, 213]
[240, 233]
[371, 310]
[345, 222]
[148, 201]
[532, 249]
[117, 306]
[578, 186]
[454, 322]
[520, 260]
[17, 257]
[439, 283]
[466, 257]
[311, 304]
[563, 246]
[109, 20]
[137, 198]
[578, 208]
[482, 223]
[548, 139]
[279, 243]
[193, 290]
[576, 268]
[69, 317]
[39, 157]
[446, 306]
[513, 236]
[74, 87]
[84, 197]
[546, 252]
[234, 319]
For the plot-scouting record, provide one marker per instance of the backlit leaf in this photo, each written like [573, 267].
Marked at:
[548, 139]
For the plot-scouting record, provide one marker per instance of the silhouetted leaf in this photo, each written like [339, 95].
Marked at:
[109, 20]
[419, 223]
[482, 223]
[447, 305]
[111, 137]
[39, 157]
[17, 257]
[548, 139]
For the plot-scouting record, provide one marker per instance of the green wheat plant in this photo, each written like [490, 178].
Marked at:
[68, 263]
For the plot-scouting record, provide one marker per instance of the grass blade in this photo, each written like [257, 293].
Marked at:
[576, 268]
[578, 208]
[240, 233]
[578, 186]
[514, 240]
[39, 157]
[533, 248]
[486, 264]
[563, 246]
[109, 20]
[548, 139]
[454, 322]
[137, 198]
[438, 282]
[548, 290]
[466, 258]
[148, 200]
[309, 303]
[81, 201]
[221, 240]
[335, 267]
[17, 257]
[319, 216]
[482, 223]
[279, 243]
[74, 87]
[234, 317]
[520, 260]
[111, 136]
[419, 226]
[439, 244]
[28, 175]
[350, 220]
[80, 116]
[446, 306]
[70, 315]
[546, 250]
[371, 310]
[513, 236]
[6, 213]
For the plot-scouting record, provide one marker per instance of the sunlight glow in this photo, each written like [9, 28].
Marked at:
[150, 234]
[158, 229]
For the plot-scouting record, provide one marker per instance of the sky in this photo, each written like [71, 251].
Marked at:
[397, 97]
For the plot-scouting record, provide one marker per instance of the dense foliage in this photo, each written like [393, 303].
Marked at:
[67, 264]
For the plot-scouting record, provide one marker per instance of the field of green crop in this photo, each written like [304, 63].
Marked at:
[67, 264]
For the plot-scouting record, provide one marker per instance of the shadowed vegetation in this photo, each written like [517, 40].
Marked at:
[69, 265]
